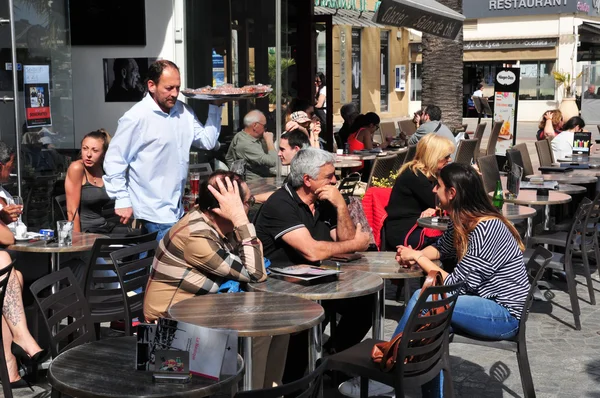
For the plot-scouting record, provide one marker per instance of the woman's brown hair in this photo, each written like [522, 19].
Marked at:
[99, 134]
[556, 119]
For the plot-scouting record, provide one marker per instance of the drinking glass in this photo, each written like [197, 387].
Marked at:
[194, 183]
[19, 202]
[64, 230]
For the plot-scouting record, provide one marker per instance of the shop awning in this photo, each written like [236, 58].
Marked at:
[589, 28]
[589, 38]
[427, 16]
[340, 16]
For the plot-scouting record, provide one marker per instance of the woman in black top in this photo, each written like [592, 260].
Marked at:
[412, 196]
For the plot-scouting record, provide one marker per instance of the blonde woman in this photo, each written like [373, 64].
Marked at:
[412, 196]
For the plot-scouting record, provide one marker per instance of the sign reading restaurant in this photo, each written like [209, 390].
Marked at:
[513, 8]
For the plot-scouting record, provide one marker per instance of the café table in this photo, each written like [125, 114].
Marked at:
[264, 185]
[570, 177]
[251, 315]
[107, 368]
[570, 189]
[349, 284]
[384, 265]
[529, 197]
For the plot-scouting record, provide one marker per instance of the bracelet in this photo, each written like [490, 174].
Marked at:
[417, 259]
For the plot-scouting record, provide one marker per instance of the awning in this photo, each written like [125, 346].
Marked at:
[427, 16]
[340, 16]
[589, 28]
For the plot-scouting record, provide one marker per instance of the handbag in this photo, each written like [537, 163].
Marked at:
[385, 353]
[425, 233]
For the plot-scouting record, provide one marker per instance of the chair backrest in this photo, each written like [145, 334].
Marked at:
[307, 387]
[477, 104]
[513, 156]
[61, 202]
[400, 159]
[465, 153]
[133, 270]
[382, 167]
[348, 184]
[239, 167]
[535, 270]
[544, 151]
[67, 301]
[410, 154]
[4, 377]
[491, 145]
[527, 165]
[427, 359]
[388, 129]
[479, 131]
[407, 127]
[490, 174]
[577, 228]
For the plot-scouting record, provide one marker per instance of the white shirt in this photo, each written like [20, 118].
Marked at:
[478, 93]
[562, 145]
[146, 164]
[4, 194]
[323, 91]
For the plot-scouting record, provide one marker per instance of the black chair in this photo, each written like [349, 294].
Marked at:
[400, 159]
[465, 153]
[491, 145]
[61, 206]
[102, 289]
[307, 387]
[428, 359]
[4, 377]
[348, 184]
[133, 271]
[479, 131]
[382, 167]
[544, 151]
[518, 344]
[410, 155]
[527, 165]
[490, 174]
[68, 303]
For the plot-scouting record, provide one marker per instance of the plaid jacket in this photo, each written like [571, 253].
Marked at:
[194, 259]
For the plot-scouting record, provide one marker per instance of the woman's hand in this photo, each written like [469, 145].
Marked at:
[407, 255]
[428, 213]
[548, 116]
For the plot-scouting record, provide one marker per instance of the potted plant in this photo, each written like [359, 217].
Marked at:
[568, 105]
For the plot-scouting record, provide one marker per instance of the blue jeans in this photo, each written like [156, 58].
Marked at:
[474, 315]
[162, 229]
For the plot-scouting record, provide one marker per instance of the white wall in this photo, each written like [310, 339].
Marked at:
[90, 110]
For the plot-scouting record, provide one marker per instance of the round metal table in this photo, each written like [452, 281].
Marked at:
[106, 368]
[571, 177]
[252, 314]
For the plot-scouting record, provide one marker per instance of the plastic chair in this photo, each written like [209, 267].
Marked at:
[400, 159]
[308, 387]
[490, 174]
[527, 165]
[407, 127]
[133, 271]
[4, 377]
[518, 344]
[479, 131]
[428, 359]
[491, 145]
[103, 290]
[388, 131]
[382, 167]
[465, 151]
[67, 302]
[544, 151]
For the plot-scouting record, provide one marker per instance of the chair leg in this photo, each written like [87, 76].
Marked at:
[525, 370]
[448, 383]
[588, 275]
[98, 330]
[364, 387]
[572, 286]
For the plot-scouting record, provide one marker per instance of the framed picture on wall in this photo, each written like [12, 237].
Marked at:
[108, 22]
[124, 78]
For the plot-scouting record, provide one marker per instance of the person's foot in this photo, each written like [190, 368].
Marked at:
[13, 369]
[351, 388]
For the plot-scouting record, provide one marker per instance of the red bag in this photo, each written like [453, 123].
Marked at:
[425, 233]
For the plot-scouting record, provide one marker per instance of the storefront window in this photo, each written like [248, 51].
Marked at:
[537, 82]
[416, 71]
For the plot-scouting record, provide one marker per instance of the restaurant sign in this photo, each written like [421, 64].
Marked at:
[425, 16]
[512, 8]
[357, 5]
[509, 44]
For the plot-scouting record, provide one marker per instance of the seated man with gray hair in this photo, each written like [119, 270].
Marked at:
[307, 221]
[254, 145]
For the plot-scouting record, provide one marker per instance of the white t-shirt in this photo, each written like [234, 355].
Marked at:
[4, 194]
[478, 93]
[562, 145]
[323, 91]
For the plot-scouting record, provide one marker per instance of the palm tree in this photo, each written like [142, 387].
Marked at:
[443, 72]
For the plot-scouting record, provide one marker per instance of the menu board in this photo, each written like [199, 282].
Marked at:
[582, 142]
[506, 100]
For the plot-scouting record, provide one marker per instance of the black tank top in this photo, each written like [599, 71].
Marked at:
[93, 199]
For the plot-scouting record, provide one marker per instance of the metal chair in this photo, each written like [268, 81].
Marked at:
[400, 159]
[426, 359]
[66, 302]
[491, 145]
[527, 165]
[382, 167]
[204, 169]
[490, 174]
[102, 287]
[466, 151]
[348, 184]
[410, 154]
[307, 387]
[388, 131]
[479, 131]
[544, 151]
[133, 270]
[4, 377]
[518, 344]
[513, 156]
[407, 127]
[61, 203]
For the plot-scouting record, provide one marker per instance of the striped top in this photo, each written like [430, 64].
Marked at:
[194, 259]
[492, 267]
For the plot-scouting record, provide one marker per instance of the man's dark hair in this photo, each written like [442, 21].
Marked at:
[434, 112]
[299, 104]
[296, 138]
[6, 152]
[156, 69]
[348, 110]
[479, 86]
[206, 200]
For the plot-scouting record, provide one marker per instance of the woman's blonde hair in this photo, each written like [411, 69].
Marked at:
[430, 150]
[556, 119]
